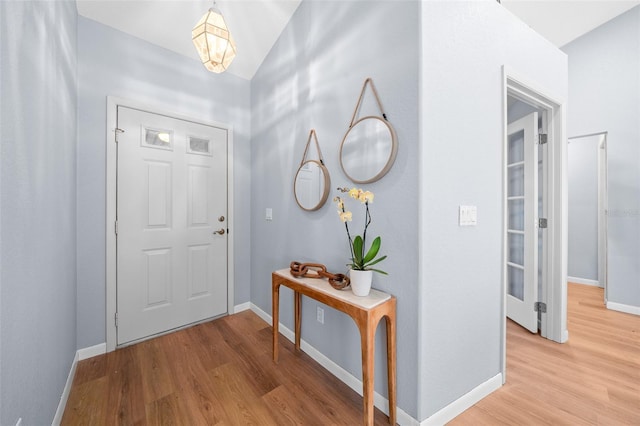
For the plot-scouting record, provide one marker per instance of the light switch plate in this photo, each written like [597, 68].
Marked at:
[268, 215]
[468, 216]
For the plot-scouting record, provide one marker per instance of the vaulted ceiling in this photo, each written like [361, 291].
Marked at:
[257, 24]
[254, 24]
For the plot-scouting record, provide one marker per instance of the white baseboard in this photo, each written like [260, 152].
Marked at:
[92, 351]
[627, 309]
[584, 281]
[379, 401]
[467, 400]
[81, 354]
[269, 320]
[65, 392]
[242, 307]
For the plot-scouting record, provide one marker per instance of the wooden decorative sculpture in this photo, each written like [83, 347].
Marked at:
[318, 270]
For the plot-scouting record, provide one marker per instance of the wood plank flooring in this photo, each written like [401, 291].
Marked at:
[594, 379]
[221, 372]
[216, 373]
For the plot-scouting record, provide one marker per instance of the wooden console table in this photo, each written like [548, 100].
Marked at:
[365, 311]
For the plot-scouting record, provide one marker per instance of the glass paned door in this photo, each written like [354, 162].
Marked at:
[521, 222]
[515, 205]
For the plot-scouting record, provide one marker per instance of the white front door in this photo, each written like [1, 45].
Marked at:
[522, 221]
[171, 223]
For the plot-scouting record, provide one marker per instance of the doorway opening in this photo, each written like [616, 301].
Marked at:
[534, 211]
[587, 200]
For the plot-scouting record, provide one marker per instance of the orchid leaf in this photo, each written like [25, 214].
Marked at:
[380, 259]
[379, 271]
[373, 251]
[357, 250]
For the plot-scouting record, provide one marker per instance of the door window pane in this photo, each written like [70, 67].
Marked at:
[516, 248]
[154, 138]
[198, 145]
[516, 147]
[515, 182]
[516, 215]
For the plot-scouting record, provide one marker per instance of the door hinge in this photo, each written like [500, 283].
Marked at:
[542, 222]
[540, 307]
[542, 138]
[115, 227]
[117, 132]
[116, 318]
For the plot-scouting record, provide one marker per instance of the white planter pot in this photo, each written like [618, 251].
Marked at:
[360, 282]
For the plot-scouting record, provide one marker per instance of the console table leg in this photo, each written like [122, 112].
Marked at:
[297, 308]
[275, 312]
[367, 337]
[391, 364]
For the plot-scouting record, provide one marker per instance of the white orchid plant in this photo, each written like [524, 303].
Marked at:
[360, 260]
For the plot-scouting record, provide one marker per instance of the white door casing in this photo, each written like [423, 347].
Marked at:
[554, 281]
[521, 224]
[171, 245]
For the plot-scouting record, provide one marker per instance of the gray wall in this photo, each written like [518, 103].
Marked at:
[312, 79]
[604, 90]
[111, 62]
[38, 215]
[582, 173]
[464, 46]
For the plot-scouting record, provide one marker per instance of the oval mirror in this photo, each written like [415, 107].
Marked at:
[311, 185]
[368, 149]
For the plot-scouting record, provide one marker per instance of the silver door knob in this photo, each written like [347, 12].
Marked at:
[219, 231]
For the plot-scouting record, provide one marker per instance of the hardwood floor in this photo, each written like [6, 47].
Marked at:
[221, 372]
[216, 373]
[594, 379]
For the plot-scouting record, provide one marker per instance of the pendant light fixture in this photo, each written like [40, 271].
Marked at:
[213, 41]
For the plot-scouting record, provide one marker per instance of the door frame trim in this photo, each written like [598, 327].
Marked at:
[111, 197]
[555, 326]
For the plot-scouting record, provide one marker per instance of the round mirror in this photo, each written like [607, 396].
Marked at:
[311, 185]
[368, 149]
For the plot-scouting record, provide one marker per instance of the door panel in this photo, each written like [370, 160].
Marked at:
[172, 188]
[198, 188]
[157, 270]
[158, 190]
[522, 216]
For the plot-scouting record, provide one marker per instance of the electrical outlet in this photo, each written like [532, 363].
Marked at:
[268, 214]
[320, 315]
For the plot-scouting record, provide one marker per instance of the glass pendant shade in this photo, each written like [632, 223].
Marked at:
[213, 41]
